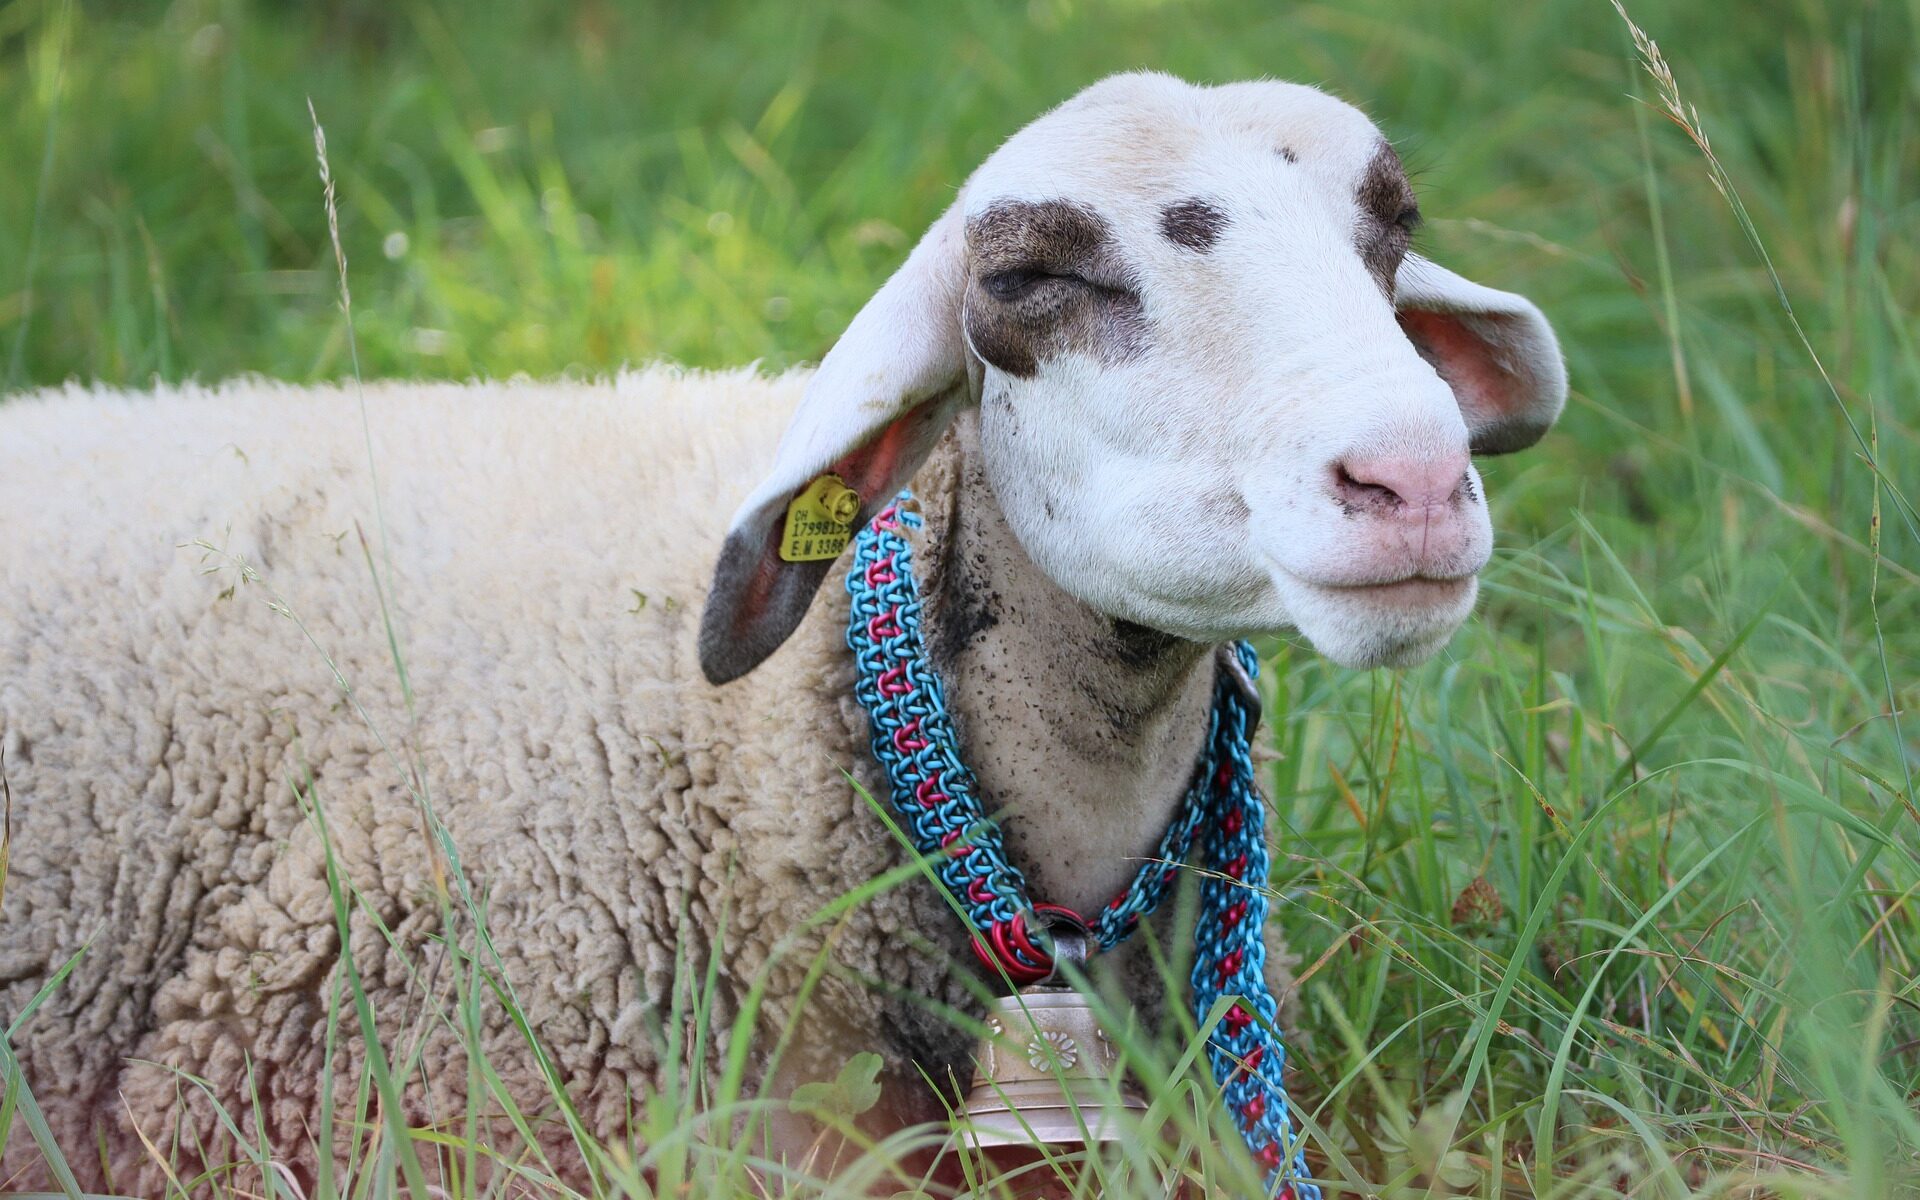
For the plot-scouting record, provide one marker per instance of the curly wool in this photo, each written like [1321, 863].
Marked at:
[163, 714]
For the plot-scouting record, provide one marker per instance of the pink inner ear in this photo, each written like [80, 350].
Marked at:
[758, 598]
[758, 592]
[879, 467]
[1487, 388]
[874, 471]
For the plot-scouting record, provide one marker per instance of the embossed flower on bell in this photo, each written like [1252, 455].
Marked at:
[1050, 1047]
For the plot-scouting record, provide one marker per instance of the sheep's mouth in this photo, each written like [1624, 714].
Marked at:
[1411, 591]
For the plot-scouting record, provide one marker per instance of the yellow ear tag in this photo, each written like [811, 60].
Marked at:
[820, 521]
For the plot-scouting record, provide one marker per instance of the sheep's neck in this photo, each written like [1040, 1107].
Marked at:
[1082, 731]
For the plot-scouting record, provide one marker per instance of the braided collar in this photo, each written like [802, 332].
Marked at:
[1221, 817]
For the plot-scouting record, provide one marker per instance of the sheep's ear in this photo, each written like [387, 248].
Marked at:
[881, 399]
[1493, 348]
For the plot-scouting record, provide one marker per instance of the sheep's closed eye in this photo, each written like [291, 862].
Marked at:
[1408, 218]
[1012, 284]
[1060, 286]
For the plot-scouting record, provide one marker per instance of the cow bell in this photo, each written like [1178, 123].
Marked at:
[1046, 1071]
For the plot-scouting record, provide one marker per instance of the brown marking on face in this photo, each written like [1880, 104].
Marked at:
[1389, 214]
[1046, 278]
[1194, 224]
[1226, 507]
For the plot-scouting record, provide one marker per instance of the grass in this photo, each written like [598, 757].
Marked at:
[1618, 895]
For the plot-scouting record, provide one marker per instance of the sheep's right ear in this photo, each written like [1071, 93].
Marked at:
[881, 399]
[1493, 348]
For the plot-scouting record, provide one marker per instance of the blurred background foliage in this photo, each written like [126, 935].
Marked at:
[542, 186]
[1647, 833]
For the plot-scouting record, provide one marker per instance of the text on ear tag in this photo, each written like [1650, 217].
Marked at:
[820, 521]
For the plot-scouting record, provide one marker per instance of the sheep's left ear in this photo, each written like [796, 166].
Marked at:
[1493, 348]
[882, 397]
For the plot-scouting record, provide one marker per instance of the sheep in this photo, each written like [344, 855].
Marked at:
[1164, 375]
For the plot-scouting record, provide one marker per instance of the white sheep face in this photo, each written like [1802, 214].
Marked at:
[1217, 396]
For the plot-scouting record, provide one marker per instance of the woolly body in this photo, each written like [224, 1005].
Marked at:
[550, 544]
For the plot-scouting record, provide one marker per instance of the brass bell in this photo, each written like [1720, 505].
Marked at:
[1045, 1071]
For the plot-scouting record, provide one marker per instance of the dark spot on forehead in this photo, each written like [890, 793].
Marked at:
[1388, 213]
[1287, 152]
[1195, 224]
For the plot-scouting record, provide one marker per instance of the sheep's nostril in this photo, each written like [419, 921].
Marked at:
[1388, 484]
[1354, 492]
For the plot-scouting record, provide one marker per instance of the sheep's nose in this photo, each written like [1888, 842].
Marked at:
[1401, 485]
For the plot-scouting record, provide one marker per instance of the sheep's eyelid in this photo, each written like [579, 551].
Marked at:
[1010, 282]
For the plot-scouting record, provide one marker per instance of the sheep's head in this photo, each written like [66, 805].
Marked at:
[1217, 395]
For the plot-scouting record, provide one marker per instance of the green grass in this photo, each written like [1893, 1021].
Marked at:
[1619, 893]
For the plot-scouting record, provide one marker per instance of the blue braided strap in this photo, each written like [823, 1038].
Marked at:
[913, 740]
[1230, 955]
[938, 801]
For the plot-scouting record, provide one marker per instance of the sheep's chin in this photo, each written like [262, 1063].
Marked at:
[1364, 628]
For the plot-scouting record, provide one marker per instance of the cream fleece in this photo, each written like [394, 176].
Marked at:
[163, 711]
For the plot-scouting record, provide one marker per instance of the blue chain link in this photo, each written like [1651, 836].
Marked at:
[937, 798]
